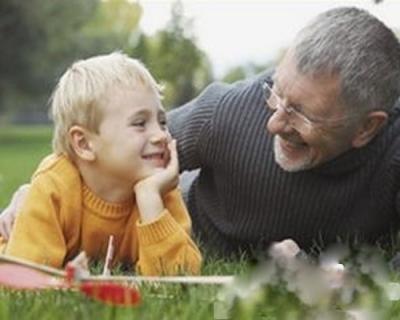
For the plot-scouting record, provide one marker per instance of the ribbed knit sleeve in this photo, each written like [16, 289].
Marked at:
[191, 125]
[47, 227]
[165, 245]
[396, 174]
[37, 234]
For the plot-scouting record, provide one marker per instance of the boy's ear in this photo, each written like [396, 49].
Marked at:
[369, 128]
[81, 143]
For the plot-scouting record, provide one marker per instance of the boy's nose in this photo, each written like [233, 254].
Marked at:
[159, 136]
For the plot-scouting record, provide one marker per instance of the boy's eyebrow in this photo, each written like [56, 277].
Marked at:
[136, 115]
[146, 112]
[140, 112]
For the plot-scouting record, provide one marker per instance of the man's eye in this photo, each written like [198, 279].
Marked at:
[163, 122]
[297, 108]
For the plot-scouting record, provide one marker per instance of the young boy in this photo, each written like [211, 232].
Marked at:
[114, 172]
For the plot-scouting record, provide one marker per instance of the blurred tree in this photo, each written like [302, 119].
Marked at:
[35, 37]
[40, 38]
[235, 74]
[174, 58]
[113, 27]
[247, 70]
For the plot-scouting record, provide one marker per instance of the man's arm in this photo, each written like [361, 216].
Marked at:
[37, 234]
[7, 217]
[191, 126]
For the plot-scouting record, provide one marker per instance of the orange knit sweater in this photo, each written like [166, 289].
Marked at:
[62, 217]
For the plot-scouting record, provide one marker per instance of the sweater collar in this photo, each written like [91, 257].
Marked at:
[348, 161]
[104, 208]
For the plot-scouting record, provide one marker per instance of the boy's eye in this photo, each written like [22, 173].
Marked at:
[163, 122]
[139, 123]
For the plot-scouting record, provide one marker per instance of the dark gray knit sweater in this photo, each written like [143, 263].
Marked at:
[243, 199]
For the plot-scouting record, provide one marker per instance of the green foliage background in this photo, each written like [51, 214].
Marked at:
[41, 38]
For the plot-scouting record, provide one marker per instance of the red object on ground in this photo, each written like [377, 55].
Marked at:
[111, 293]
[21, 277]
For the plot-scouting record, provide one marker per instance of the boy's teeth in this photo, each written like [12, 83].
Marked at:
[156, 156]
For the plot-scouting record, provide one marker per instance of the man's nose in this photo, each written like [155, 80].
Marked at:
[279, 122]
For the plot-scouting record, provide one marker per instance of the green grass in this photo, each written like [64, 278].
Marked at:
[157, 302]
[21, 150]
[188, 303]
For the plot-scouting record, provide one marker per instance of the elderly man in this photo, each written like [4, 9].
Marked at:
[311, 154]
[328, 166]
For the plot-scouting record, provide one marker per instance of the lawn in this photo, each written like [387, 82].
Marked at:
[268, 292]
[21, 149]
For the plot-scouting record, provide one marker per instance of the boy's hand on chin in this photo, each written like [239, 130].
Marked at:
[165, 179]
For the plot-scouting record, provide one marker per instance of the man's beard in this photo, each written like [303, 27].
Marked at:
[288, 164]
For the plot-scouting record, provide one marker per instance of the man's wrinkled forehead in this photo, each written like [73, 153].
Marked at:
[289, 71]
[316, 91]
[286, 73]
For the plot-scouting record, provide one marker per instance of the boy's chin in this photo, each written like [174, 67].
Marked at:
[156, 163]
[151, 171]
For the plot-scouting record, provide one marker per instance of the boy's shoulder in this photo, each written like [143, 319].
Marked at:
[57, 170]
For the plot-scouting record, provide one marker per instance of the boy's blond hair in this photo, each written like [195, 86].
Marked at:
[77, 96]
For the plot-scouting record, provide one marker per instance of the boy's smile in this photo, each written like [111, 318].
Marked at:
[157, 158]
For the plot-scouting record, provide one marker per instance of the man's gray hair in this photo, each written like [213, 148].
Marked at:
[360, 49]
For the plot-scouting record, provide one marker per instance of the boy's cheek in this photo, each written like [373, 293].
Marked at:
[169, 137]
[167, 157]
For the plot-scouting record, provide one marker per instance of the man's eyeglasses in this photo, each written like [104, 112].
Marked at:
[295, 118]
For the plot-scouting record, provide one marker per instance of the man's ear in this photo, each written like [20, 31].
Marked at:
[81, 143]
[369, 128]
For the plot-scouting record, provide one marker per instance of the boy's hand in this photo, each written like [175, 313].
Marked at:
[165, 179]
[7, 217]
[149, 190]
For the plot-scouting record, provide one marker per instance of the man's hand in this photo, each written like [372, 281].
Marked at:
[7, 217]
[149, 190]
[284, 252]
